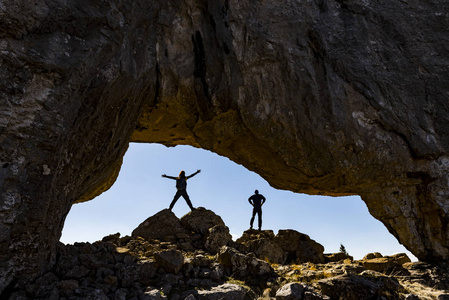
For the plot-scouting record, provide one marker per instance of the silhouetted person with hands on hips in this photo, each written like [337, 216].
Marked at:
[181, 185]
[256, 200]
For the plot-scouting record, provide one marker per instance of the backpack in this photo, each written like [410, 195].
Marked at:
[181, 183]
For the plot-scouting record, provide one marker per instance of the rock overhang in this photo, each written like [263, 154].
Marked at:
[323, 100]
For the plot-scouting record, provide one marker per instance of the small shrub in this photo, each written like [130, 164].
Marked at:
[343, 249]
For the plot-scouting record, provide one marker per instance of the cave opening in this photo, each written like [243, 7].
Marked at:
[223, 187]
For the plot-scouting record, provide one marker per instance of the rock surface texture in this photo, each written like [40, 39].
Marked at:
[163, 226]
[127, 267]
[336, 97]
[288, 246]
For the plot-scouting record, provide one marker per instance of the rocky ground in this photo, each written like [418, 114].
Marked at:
[195, 258]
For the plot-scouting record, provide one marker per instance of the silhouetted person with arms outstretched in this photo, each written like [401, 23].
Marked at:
[181, 185]
[256, 200]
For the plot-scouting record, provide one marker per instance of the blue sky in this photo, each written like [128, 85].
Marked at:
[223, 187]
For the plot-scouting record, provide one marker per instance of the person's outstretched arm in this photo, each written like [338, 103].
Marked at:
[190, 176]
[170, 177]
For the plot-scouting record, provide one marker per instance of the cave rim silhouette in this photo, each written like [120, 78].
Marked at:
[180, 212]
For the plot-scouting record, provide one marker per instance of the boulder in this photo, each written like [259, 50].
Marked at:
[336, 257]
[141, 271]
[162, 226]
[298, 291]
[217, 237]
[252, 234]
[200, 220]
[385, 263]
[400, 258]
[372, 255]
[268, 250]
[367, 285]
[262, 244]
[286, 247]
[299, 247]
[200, 260]
[113, 238]
[426, 274]
[171, 260]
[242, 265]
[290, 291]
[146, 270]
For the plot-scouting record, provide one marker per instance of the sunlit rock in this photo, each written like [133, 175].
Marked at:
[384, 263]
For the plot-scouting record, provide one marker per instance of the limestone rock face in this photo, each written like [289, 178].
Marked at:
[329, 97]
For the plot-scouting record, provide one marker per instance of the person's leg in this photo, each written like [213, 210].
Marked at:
[186, 197]
[252, 219]
[175, 198]
[260, 218]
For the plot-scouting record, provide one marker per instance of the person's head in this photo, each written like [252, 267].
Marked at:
[182, 174]
[256, 192]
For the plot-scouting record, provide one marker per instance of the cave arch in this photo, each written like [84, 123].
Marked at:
[332, 99]
[222, 187]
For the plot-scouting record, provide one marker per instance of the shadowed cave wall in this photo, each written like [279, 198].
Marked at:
[320, 97]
